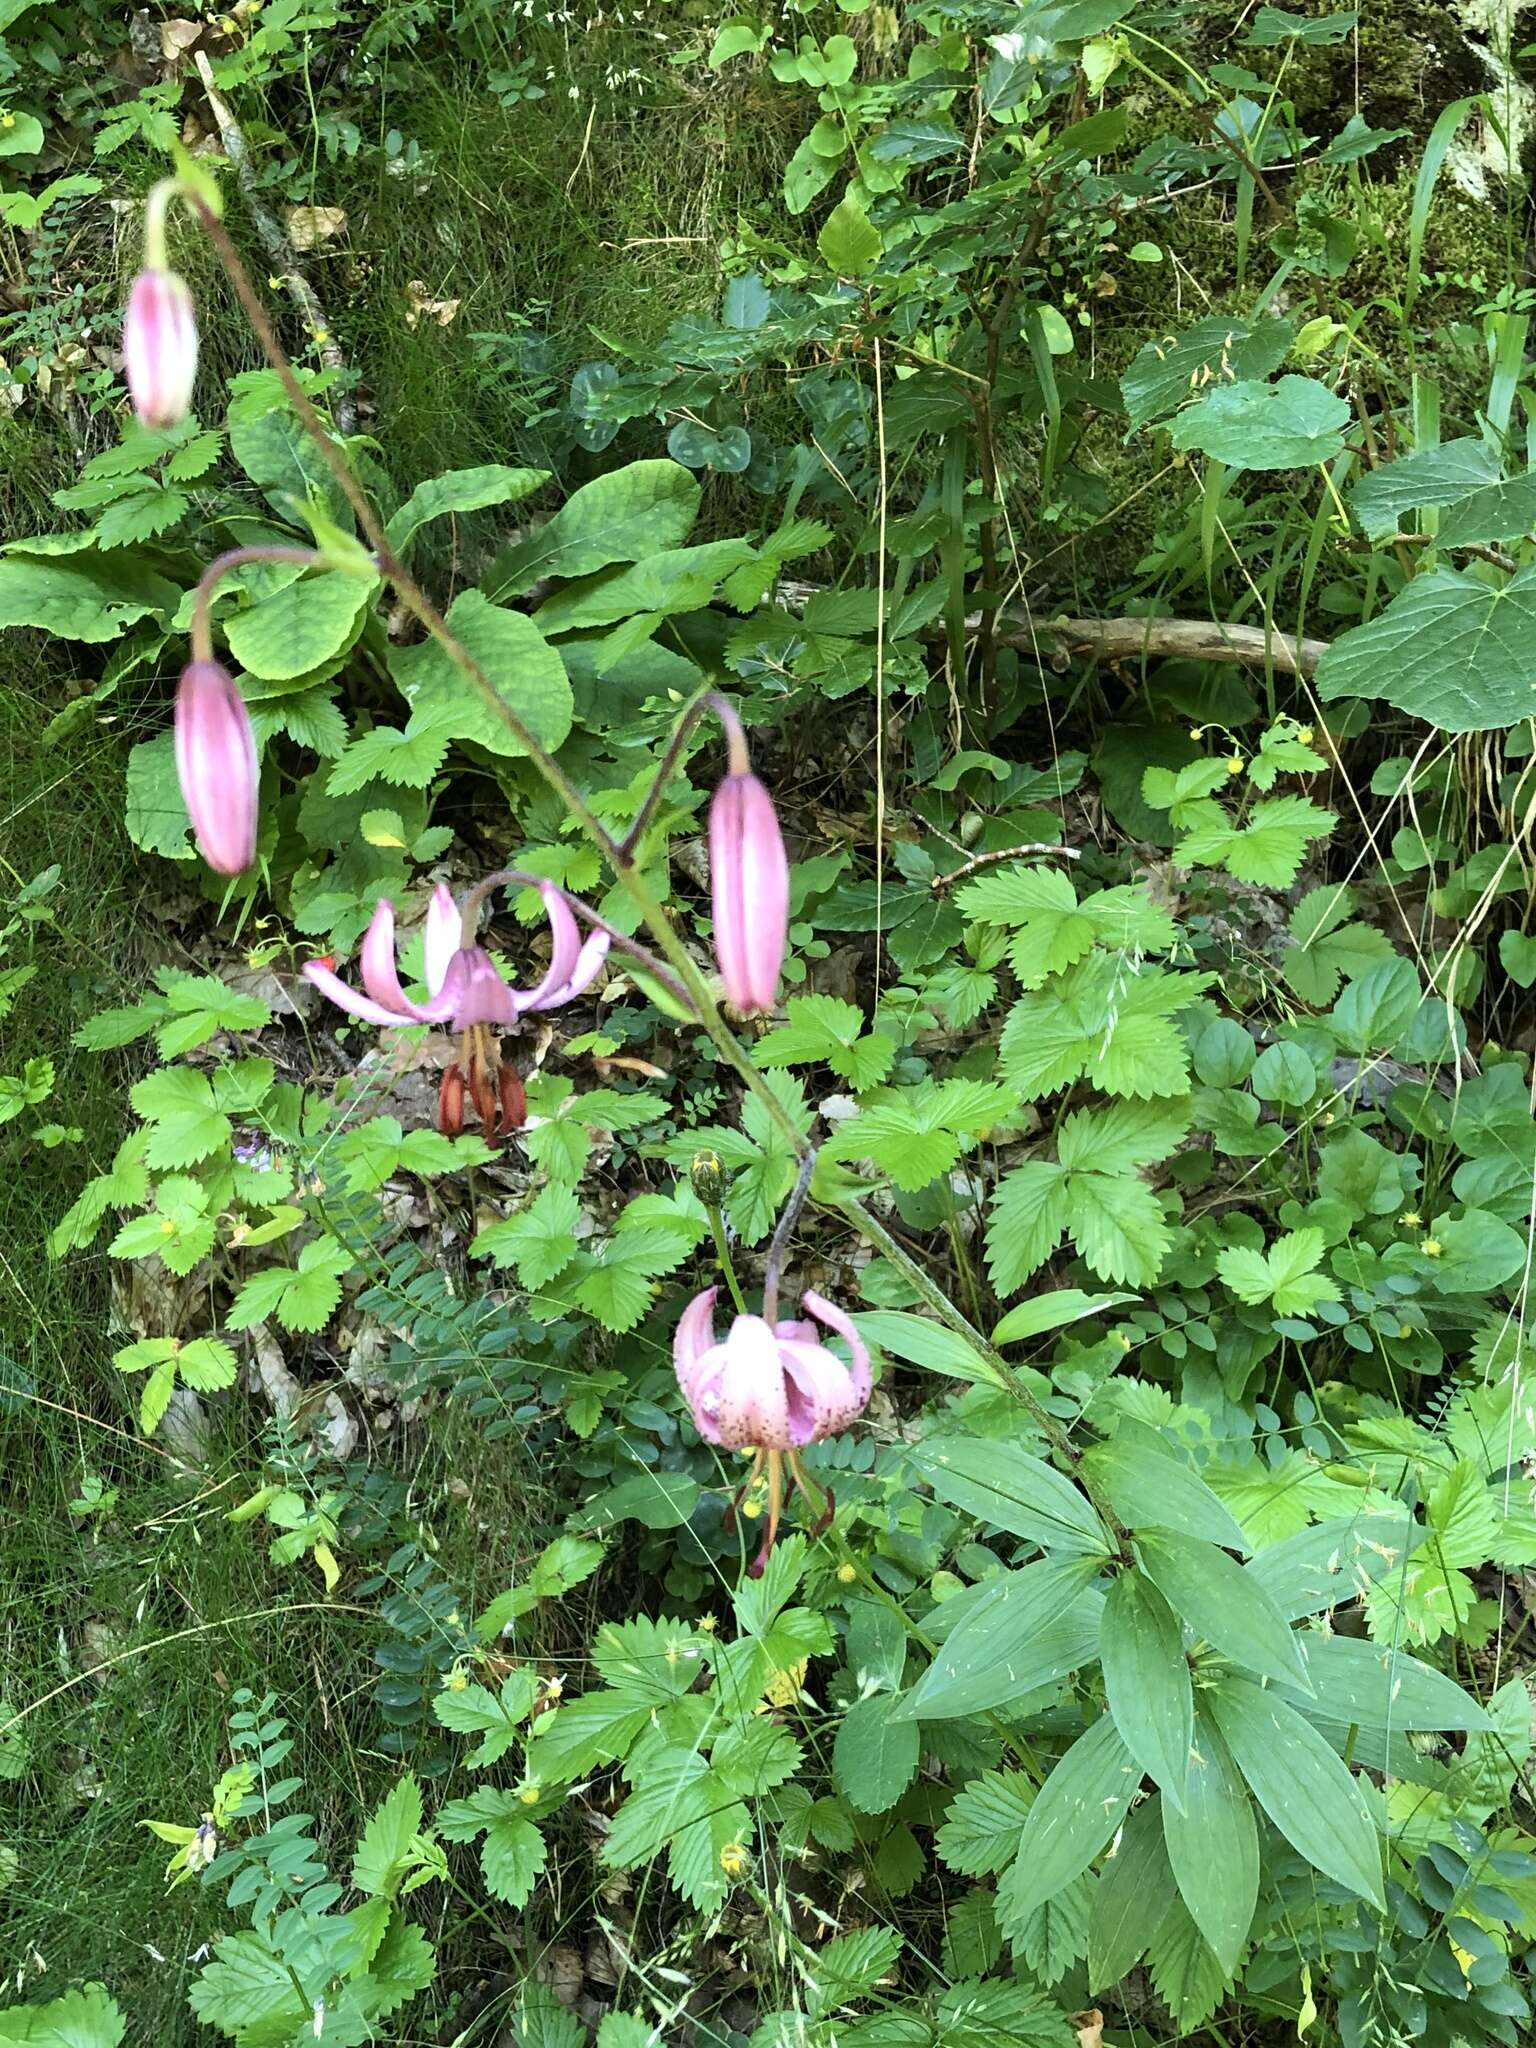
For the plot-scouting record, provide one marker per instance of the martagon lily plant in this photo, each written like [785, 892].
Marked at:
[771, 1385]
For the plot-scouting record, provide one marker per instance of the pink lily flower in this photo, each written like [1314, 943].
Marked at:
[465, 992]
[774, 1388]
[463, 988]
[216, 765]
[749, 883]
[160, 348]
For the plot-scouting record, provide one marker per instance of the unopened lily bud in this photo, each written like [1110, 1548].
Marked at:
[749, 881]
[160, 348]
[707, 1175]
[216, 765]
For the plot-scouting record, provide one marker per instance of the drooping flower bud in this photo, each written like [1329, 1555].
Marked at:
[216, 765]
[160, 348]
[749, 882]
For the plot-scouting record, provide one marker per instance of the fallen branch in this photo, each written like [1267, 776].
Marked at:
[1052, 640]
[279, 250]
[1166, 640]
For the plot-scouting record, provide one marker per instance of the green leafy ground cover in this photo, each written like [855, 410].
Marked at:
[381, 1659]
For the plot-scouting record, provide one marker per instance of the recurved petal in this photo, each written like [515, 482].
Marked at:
[349, 999]
[694, 1335]
[820, 1393]
[440, 936]
[377, 961]
[564, 951]
[836, 1319]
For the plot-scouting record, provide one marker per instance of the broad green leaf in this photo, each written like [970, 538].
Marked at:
[875, 1755]
[619, 517]
[86, 2018]
[1374, 1685]
[1053, 1311]
[1077, 1810]
[986, 1817]
[511, 1857]
[1449, 649]
[1213, 1846]
[1167, 371]
[1501, 511]
[922, 1341]
[1146, 1681]
[1124, 1136]
[992, 1648]
[1334, 1563]
[1003, 1485]
[300, 627]
[1152, 1486]
[1249, 425]
[1301, 1783]
[91, 598]
[1131, 1898]
[1211, 1593]
[1383, 498]
[849, 244]
[155, 814]
[461, 490]
[510, 649]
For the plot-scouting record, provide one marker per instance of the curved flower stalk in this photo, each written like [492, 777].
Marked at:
[773, 1388]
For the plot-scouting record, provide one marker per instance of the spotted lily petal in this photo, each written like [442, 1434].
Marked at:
[753, 1407]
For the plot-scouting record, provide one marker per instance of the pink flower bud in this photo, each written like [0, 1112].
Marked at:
[160, 348]
[216, 765]
[749, 878]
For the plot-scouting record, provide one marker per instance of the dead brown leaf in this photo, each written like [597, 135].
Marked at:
[1090, 2028]
[177, 38]
[420, 305]
[309, 225]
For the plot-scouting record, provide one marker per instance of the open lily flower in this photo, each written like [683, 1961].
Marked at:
[463, 987]
[465, 992]
[771, 1387]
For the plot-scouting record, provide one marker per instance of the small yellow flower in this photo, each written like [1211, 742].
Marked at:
[846, 1575]
[554, 1689]
[321, 336]
[1197, 732]
[734, 1859]
[1409, 1218]
[7, 120]
[167, 1228]
[1431, 1247]
[457, 1679]
[528, 1794]
[1327, 1116]
[751, 1509]
[708, 1624]
[1235, 764]
[1305, 735]
[1405, 1329]
[274, 284]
